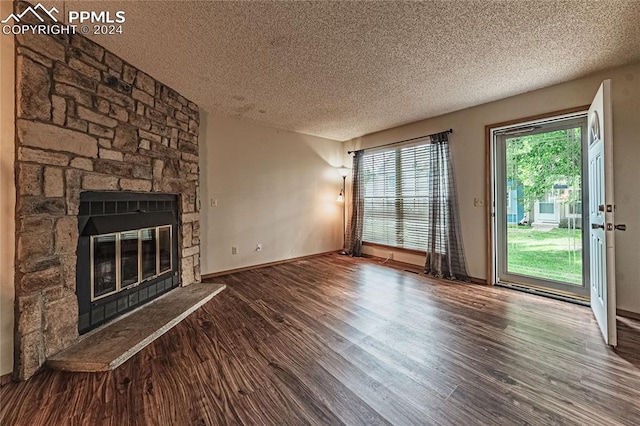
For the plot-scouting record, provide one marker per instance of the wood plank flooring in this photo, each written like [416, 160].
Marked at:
[333, 340]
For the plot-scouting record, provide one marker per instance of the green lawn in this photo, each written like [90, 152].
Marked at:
[554, 254]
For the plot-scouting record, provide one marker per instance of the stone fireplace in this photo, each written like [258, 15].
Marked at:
[89, 124]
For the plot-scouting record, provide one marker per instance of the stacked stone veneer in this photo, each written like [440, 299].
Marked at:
[87, 120]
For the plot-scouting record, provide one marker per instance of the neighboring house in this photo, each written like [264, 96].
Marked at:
[557, 204]
[515, 207]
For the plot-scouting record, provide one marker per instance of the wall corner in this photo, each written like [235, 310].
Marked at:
[7, 194]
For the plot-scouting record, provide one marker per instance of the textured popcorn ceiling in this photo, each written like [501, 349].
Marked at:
[344, 69]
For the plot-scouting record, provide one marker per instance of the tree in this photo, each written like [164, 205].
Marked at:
[540, 161]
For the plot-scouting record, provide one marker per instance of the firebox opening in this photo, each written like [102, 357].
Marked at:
[127, 253]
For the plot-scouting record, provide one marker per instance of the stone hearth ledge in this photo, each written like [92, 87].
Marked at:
[110, 346]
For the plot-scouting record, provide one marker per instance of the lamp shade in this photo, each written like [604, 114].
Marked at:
[343, 171]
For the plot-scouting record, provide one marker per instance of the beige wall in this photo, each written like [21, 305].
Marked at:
[468, 148]
[273, 187]
[7, 195]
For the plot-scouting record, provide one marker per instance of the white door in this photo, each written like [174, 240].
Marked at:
[601, 213]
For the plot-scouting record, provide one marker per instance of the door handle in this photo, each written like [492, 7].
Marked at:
[610, 227]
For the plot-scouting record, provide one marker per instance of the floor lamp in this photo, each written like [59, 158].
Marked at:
[343, 171]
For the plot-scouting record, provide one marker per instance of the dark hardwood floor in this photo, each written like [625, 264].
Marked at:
[335, 340]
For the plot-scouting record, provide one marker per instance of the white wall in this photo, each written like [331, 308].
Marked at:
[468, 148]
[273, 187]
[7, 195]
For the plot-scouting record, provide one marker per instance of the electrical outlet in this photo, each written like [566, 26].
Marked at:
[214, 202]
[259, 247]
[234, 250]
[478, 202]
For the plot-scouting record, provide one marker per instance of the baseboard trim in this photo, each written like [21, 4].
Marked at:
[264, 265]
[5, 379]
[628, 314]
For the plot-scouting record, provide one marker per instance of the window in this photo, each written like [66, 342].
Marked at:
[397, 195]
[575, 208]
[547, 208]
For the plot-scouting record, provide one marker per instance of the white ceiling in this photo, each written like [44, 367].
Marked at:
[344, 69]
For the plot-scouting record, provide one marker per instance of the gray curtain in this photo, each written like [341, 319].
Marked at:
[354, 242]
[445, 256]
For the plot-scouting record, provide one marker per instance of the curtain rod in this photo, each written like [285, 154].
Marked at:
[406, 140]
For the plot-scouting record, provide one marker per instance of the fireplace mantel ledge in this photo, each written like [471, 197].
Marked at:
[111, 345]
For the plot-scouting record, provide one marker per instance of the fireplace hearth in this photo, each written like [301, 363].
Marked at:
[127, 253]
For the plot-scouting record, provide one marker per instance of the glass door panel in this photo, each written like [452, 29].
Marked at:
[539, 188]
[104, 249]
[129, 258]
[149, 251]
[164, 248]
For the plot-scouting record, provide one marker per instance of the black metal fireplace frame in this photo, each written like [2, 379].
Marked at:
[109, 212]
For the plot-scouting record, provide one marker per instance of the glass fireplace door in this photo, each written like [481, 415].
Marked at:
[129, 265]
[104, 271]
[149, 252]
[164, 249]
[127, 259]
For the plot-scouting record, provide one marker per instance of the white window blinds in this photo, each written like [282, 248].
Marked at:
[397, 192]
